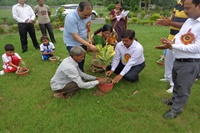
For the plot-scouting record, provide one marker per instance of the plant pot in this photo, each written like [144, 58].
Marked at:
[54, 59]
[106, 87]
[61, 28]
[24, 73]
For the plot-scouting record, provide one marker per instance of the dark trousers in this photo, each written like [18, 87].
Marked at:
[47, 27]
[69, 89]
[183, 75]
[132, 75]
[80, 64]
[23, 29]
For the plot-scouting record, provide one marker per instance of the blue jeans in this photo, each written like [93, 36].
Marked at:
[46, 57]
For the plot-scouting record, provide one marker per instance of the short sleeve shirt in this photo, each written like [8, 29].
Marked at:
[42, 13]
[46, 48]
[74, 24]
[7, 58]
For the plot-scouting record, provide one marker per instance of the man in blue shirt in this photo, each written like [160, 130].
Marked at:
[77, 29]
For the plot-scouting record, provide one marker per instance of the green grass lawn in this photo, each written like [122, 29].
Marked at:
[27, 106]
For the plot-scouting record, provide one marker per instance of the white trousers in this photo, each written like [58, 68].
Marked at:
[169, 60]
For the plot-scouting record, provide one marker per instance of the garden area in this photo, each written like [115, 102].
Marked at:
[8, 24]
[27, 105]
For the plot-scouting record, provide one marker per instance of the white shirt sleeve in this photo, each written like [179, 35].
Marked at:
[32, 14]
[116, 58]
[135, 57]
[16, 16]
[75, 76]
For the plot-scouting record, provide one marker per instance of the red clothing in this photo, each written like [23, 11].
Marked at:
[120, 25]
[15, 59]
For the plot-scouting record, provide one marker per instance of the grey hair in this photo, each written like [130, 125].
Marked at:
[77, 50]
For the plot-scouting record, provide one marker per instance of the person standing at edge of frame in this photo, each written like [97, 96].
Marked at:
[177, 20]
[186, 50]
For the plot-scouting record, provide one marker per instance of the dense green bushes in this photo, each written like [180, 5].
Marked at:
[155, 16]
[13, 28]
[111, 7]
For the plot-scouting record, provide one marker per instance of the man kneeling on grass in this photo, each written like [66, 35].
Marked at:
[68, 77]
[128, 60]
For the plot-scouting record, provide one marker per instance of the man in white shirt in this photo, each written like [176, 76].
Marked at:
[68, 78]
[25, 16]
[186, 50]
[128, 60]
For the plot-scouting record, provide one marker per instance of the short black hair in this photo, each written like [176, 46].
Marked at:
[44, 37]
[84, 4]
[118, 3]
[128, 33]
[9, 47]
[106, 27]
[196, 2]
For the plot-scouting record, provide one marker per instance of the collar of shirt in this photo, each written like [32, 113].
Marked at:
[9, 55]
[21, 5]
[130, 47]
[47, 45]
[76, 13]
[73, 61]
[198, 19]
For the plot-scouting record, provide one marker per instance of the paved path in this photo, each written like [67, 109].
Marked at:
[99, 21]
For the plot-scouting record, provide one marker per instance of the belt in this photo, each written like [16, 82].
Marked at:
[188, 60]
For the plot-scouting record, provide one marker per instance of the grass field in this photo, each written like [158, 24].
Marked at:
[27, 106]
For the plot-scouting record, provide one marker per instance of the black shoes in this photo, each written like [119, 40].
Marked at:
[168, 102]
[23, 51]
[171, 115]
[37, 47]
[133, 82]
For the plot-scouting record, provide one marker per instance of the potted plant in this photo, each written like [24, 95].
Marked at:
[55, 59]
[60, 18]
[22, 71]
[105, 55]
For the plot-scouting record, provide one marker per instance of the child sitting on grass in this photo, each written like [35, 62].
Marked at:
[11, 60]
[47, 48]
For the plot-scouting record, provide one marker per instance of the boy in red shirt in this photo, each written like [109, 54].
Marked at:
[11, 60]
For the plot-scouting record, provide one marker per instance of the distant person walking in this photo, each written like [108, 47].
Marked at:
[25, 16]
[43, 12]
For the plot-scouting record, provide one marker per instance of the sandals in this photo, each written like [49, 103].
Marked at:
[61, 95]
[58, 95]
